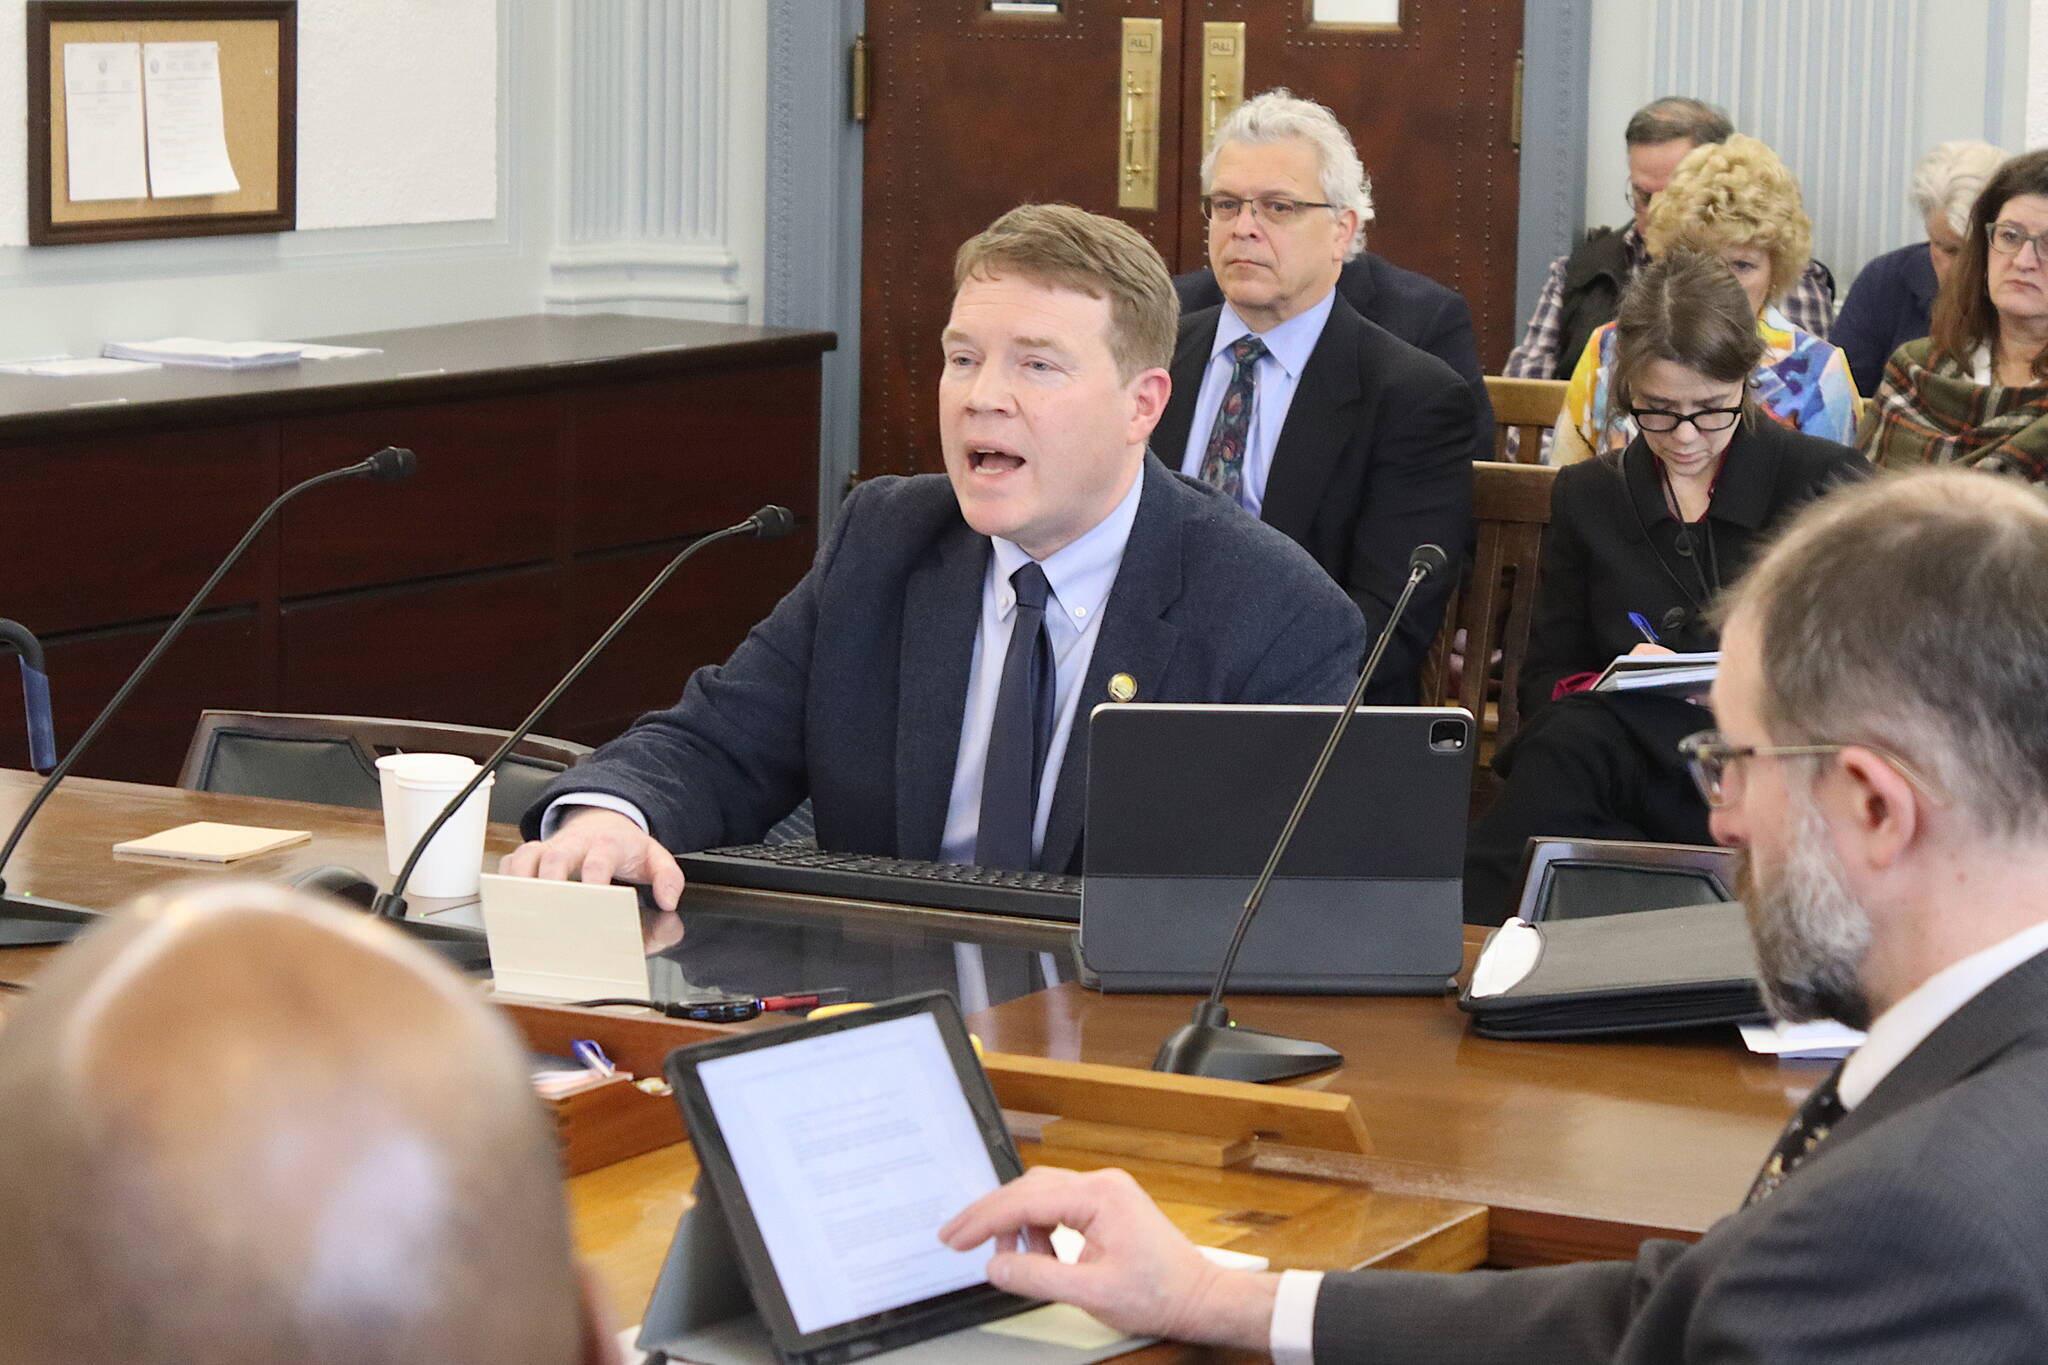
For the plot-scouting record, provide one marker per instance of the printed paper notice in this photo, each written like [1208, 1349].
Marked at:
[103, 122]
[188, 141]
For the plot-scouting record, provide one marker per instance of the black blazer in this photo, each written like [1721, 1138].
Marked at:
[1428, 316]
[1914, 1233]
[851, 692]
[1372, 461]
[1613, 547]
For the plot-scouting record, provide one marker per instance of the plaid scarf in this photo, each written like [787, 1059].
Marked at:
[1939, 414]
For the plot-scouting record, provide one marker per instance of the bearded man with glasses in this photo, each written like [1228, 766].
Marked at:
[1324, 426]
[1885, 773]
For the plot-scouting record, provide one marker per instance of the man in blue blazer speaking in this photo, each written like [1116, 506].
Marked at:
[1882, 765]
[927, 685]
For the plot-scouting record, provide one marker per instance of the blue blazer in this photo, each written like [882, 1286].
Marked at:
[1372, 461]
[1428, 316]
[851, 692]
[1891, 303]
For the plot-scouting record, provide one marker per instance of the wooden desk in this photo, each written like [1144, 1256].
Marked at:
[562, 460]
[1579, 1149]
[626, 1213]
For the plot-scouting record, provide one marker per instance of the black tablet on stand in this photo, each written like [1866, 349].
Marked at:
[831, 1154]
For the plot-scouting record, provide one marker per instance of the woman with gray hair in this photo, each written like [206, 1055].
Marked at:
[1893, 297]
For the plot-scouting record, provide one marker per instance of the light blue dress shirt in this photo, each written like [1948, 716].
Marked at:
[1274, 380]
[1081, 576]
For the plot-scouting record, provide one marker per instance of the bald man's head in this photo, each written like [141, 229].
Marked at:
[239, 1126]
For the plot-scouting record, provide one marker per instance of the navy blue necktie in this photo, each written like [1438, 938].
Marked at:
[1021, 733]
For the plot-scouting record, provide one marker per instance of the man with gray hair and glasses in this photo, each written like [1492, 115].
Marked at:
[1884, 768]
[1355, 444]
[1583, 289]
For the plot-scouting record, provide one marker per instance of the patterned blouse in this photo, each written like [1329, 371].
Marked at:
[1802, 382]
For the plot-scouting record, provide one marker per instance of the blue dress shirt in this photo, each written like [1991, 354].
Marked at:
[1277, 375]
[1081, 576]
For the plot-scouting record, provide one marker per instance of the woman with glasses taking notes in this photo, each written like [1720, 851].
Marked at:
[1974, 391]
[1737, 201]
[1640, 543]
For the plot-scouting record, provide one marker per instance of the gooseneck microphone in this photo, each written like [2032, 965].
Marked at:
[1210, 1045]
[33, 920]
[770, 523]
[15, 639]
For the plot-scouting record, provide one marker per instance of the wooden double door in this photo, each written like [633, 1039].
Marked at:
[979, 105]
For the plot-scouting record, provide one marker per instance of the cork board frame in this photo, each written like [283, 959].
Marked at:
[259, 105]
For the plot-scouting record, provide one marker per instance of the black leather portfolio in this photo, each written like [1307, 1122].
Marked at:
[1579, 978]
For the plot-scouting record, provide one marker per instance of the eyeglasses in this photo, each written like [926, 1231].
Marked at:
[1638, 200]
[2008, 238]
[1711, 760]
[1706, 419]
[1267, 208]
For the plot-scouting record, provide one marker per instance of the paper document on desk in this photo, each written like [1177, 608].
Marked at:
[103, 156]
[1665, 675]
[207, 354]
[313, 350]
[188, 140]
[1820, 1038]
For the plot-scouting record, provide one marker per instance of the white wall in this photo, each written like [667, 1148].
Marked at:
[383, 127]
[1851, 93]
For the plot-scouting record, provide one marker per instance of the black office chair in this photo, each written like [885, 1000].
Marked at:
[333, 759]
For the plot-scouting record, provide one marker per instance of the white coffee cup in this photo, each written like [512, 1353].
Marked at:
[417, 788]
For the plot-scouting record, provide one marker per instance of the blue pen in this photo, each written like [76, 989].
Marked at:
[1642, 623]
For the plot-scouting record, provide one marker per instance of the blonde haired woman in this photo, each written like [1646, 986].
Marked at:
[1734, 200]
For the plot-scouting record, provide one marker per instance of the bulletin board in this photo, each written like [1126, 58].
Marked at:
[258, 42]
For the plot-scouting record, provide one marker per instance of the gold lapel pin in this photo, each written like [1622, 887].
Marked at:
[1123, 687]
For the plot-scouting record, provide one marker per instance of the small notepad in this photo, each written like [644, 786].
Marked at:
[208, 841]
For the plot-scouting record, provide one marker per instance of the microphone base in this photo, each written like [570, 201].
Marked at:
[1225, 1053]
[32, 922]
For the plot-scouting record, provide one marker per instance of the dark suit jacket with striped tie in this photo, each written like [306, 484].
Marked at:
[1917, 1232]
[1375, 458]
[852, 691]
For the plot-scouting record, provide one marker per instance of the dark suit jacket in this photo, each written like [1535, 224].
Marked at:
[1612, 548]
[1915, 1233]
[1373, 460]
[1429, 316]
[852, 691]
[1890, 304]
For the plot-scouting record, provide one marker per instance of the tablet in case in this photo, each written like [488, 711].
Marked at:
[1184, 805]
[831, 1153]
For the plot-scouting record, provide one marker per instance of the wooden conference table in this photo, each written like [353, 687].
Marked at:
[1577, 1151]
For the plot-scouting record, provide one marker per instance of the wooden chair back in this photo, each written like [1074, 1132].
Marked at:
[1527, 408]
[1496, 603]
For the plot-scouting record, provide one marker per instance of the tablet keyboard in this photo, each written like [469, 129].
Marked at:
[810, 871]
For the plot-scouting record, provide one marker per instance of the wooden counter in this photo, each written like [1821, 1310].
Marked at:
[562, 461]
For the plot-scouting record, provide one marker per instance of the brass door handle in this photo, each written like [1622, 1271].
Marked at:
[1134, 161]
[1137, 180]
[1222, 77]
